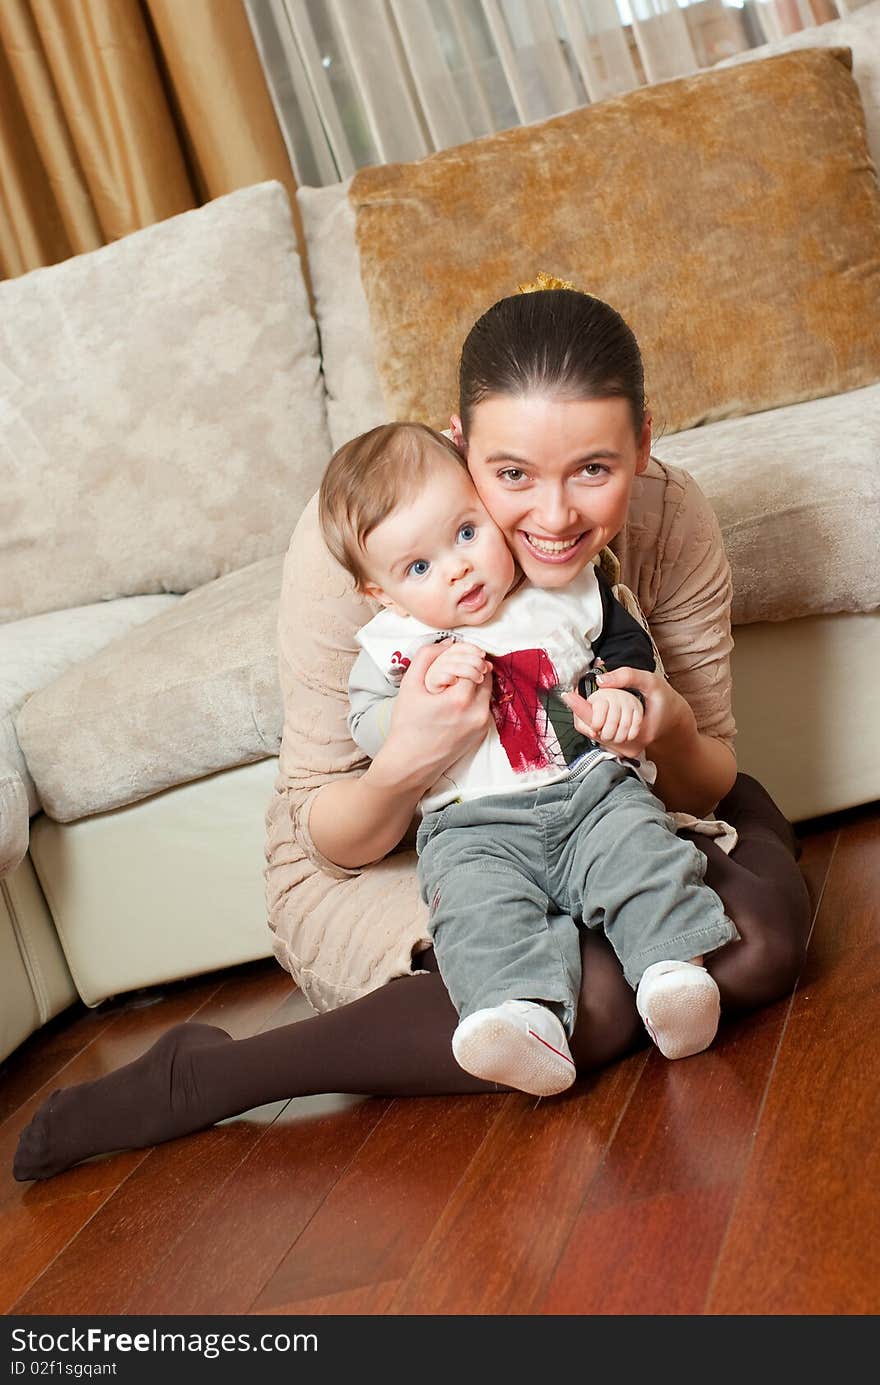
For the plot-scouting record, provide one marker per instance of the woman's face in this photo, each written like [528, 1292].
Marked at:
[555, 475]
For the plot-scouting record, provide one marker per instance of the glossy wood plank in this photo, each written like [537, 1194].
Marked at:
[247, 1002]
[546, 1209]
[369, 1300]
[109, 1262]
[850, 912]
[499, 1238]
[163, 1192]
[232, 1247]
[817, 852]
[653, 1220]
[46, 1053]
[618, 1252]
[389, 1200]
[803, 1238]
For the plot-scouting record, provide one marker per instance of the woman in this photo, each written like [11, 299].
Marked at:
[557, 439]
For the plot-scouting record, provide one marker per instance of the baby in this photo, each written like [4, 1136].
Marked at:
[539, 825]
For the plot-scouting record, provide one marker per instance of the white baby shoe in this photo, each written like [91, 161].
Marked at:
[680, 1006]
[518, 1044]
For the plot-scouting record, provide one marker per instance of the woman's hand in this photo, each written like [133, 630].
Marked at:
[431, 730]
[665, 716]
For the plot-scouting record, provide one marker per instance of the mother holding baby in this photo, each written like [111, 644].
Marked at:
[553, 424]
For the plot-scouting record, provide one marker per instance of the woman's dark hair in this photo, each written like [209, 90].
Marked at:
[553, 341]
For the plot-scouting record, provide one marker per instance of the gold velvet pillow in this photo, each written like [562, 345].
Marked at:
[732, 217]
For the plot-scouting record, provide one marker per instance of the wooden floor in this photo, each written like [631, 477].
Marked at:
[743, 1181]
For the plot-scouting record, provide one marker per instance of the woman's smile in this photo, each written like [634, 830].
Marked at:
[553, 550]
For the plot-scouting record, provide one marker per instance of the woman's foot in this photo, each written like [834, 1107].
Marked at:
[680, 1006]
[155, 1098]
[518, 1044]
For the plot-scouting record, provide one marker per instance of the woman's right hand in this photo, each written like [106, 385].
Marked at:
[430, 731]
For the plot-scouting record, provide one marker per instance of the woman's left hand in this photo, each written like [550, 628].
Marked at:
[666, 713]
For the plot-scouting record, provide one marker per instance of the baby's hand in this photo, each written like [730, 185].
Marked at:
[458, 661]
[615, 719]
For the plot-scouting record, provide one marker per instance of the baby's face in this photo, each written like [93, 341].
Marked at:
[439, 557]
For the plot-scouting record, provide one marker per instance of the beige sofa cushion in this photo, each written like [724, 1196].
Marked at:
[189, 693]
[164, 889]
[797, 494]
[36, 651]
[33, 652]
[13, 818]
[161, 408]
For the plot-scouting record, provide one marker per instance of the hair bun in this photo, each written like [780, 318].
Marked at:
[544, 281]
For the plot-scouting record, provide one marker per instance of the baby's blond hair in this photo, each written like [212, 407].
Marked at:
[369, 477]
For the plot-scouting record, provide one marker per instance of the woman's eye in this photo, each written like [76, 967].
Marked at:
[467, 533]
[418, 568]
[511, 473]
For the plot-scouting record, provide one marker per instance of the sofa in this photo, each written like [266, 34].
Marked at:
[169, 402]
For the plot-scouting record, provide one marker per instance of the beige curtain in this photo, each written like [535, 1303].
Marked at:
[118, 113]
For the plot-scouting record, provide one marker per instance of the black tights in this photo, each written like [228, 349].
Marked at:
[396, 1040]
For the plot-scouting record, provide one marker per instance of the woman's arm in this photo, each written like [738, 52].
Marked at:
[354, 822]
[694, 771]
[672, 557]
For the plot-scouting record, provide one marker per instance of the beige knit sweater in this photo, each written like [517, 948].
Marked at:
[342, 933]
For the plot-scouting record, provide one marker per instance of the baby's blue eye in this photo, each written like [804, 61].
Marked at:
[467, 533]
[418, 568]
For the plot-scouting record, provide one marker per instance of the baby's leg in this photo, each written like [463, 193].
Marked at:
[512, 970]
[631, 876]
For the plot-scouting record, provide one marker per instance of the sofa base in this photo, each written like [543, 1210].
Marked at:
[35, 983]
[166, 888]
[805, 700]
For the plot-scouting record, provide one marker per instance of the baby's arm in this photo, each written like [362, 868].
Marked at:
[460, 660]
[371, 694]
[371, 701]
[615, 714]
[623, 643]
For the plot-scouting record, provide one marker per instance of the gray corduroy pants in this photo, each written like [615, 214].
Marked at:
[507, 879]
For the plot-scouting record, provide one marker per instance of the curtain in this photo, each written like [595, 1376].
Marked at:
[357, 82]
[118, 113]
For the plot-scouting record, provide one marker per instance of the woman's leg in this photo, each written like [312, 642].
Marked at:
[396, 1041]
[764, 893]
